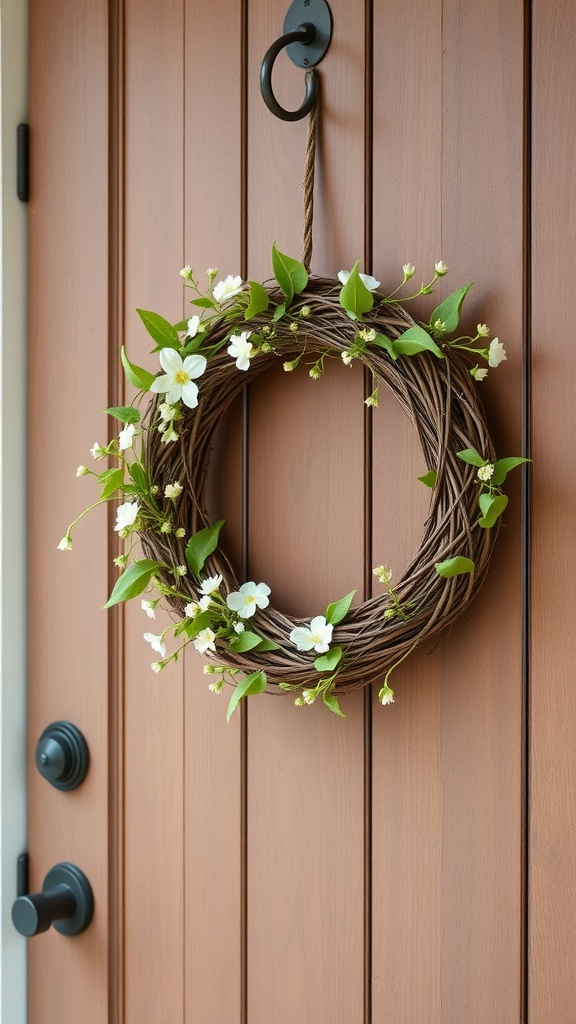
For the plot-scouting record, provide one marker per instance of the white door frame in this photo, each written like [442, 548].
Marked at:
[13, 502]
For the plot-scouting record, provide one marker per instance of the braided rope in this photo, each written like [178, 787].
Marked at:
[308, 185]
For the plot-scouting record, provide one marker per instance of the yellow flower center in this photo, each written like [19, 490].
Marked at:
[181, 377]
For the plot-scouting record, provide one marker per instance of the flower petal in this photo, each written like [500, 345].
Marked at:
[194, 365]
[170, 360]
[160, 385]
[189, 394]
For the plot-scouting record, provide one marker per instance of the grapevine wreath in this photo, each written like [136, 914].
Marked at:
[160, 462]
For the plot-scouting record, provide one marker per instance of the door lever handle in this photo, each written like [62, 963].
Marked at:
[66, 902]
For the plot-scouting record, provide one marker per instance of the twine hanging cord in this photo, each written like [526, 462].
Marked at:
[308, 184]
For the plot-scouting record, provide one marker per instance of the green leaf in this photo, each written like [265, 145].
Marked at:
[202, 303]
[503, 467]
[267, 645]
[200, 621]
[259, 300]
[449, 310]
[416, 340]
[135, 375]
[429, 478]
[491, 506]
[201, 545]
[327, 662]
[338, 610]
[245, 641]
[112, 480]
[331, 702]
[355, 297]
[472, 457]
[124, 413]
[290, 274]
[254, 683]
[383, 342]
[279, 312]
[138, 474]
[133, 582]
[454, 566]
[162, 332]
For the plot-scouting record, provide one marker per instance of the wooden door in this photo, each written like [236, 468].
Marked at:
[296, 867]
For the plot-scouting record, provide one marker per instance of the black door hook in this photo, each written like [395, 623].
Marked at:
[307, 33]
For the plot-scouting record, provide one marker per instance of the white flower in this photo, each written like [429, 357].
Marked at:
[210, 584]
[309, 696]
[156, 666]
[148, 607]
[177, 381]
[66, 543]
[248, 598]
[97, 451]
[239, 627]
[186, 273]
[193, 327]
[82, 471]
[191, 610]
[126, 514]
[181, 570]
[483, 330]
[346, 358]
[241, 349]
[479, 373]
[496, 353]
[173, 490]
[204, 603]
[386, 695]
[216, 687]
[126, 436]
[408, 270]
[317, 635]
[227, 288]
[205, 641]
[156, 643]
[485, 473]
[370, 282]
[440, 268]
[166, 412]
[180, 532]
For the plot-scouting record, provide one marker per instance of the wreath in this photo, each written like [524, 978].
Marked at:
[161, 457]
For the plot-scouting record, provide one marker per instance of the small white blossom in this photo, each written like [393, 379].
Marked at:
[289, 366]
[383, 574]
[191, 610]
[346, 358]
[173, 491]
[241, 349]
[239, 627]
[367, 334]
[97, 451]
[408, 270]
[82, 471]
[386, 695]
[165, 411]
[180, 532]
[205, 641]
[483, 330]
[148, 607]
[372, 400]
[166, 527]
[216, 686]
[177, 381]
[496, 353]
[126, 515]
[66, 543]
[440, 268]
[248, 598]
[479, 373]
[367, 280]
[156, 666]
[186, 273]
[121, 561]
[194, 325]
[485, 473]
[126, 436]
[315, 372]
[210, 584]
[212, 271]
[181, 570]
[156, 643]
[316, 636]
[439, 326]
[227, 288]
[204, 603]
[309, 696]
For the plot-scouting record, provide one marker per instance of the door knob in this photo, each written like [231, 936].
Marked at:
[66, 901]
[62, 755]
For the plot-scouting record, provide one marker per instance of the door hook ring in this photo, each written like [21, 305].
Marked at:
[305, 34]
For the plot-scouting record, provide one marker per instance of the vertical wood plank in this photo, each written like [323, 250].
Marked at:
[305, 767]
[154, 706]
[450, 906]
[552, 868]
[68, 384]
[213, 750]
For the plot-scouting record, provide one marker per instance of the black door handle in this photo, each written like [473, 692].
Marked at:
[66, 901]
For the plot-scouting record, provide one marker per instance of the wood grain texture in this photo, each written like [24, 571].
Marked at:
[552, 869]
[154, 704]
[67, 379]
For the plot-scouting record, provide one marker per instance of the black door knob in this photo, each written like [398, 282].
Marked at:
[66, 902]
[62, 755]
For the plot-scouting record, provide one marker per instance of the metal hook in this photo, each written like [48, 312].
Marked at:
[307, 41]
